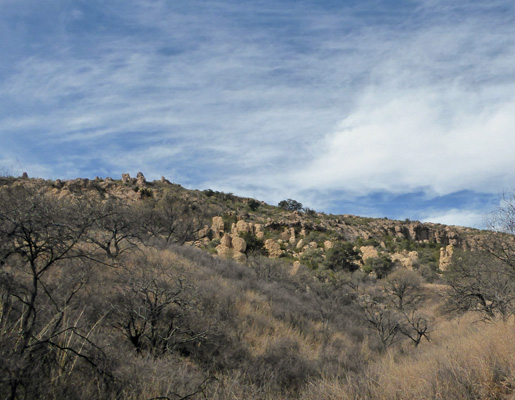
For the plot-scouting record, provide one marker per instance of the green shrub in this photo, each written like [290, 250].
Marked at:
[343, 257]
[381, 266]
[253, 204]
[312, 258]
[255, 246]
[290, 205]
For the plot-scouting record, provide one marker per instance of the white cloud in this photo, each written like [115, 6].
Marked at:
[470, 218]
[437, 115]
[403, 140]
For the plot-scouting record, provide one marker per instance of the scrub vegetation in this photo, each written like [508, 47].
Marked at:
[105, 297]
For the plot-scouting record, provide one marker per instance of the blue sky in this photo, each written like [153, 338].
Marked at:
[399, 109]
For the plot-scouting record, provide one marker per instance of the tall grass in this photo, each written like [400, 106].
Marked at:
[466, 361]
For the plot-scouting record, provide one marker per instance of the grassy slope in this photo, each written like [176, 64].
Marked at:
[260, 332]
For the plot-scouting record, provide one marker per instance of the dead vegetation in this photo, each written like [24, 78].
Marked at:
[100, 300]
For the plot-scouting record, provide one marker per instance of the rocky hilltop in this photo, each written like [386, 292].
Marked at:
[236, 227]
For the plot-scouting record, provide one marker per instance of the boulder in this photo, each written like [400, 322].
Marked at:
[285, 235]
[292, 240]
[217, 226]
[126, 178]
[238, 244]
[295, 268]
[140, 179]
[239, 257]
[226, 240]
[258, 231]
[406, 259]
[328, 245]
[273, 248]
[242, 227]
[224, 251]
[446, 257]
[368, 252]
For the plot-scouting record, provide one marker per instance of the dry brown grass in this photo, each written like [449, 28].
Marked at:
[466, 361]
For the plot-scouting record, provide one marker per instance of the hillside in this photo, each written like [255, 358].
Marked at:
[292, 235]
[128, 289]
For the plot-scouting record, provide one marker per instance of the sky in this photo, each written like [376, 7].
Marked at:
[398, 109]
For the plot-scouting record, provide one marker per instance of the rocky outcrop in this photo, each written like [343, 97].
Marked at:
[408, 259]
[328, 245]
[258, 231]
[226, 240]
[368, 252]
[273, 248]
[217, 227]
[140, 180]
[295, 268]
[446, 257]
[292, 240]
[242, 227]
[316, 234]
[232, 247]
[238, 244]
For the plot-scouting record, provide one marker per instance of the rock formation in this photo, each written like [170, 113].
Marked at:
[242, 227]
[140, 179]
[273, 248]
[408, 259]
[368, 252]
[217, 227]
[328, 245]
[446, 257]
[232, 247]
[238, 244]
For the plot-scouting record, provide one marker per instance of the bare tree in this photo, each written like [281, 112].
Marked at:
[403, 289]
[380, 317]
[501, 245]
[481, 283]
[173, 219]
[415, 326]
[151, 306]
[114, 228]
[484, 281]
[40, 236]
[393, 308]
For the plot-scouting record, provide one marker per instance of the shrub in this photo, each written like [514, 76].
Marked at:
[343, 257]
[290, 205]
[253, 204]
[283, 365]
[381, 266]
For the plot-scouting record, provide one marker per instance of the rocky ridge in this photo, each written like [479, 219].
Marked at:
[235, 228]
